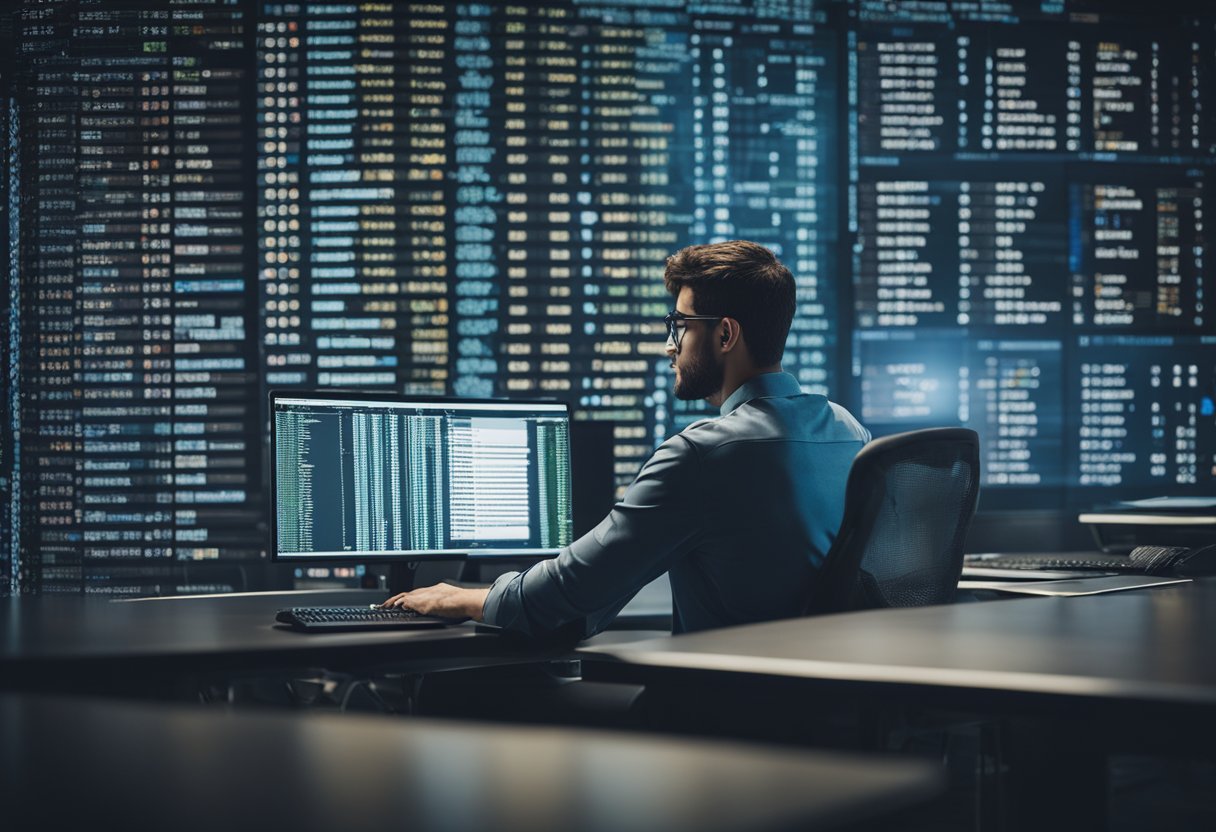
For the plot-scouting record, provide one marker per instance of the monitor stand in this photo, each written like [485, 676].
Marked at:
[401, 576]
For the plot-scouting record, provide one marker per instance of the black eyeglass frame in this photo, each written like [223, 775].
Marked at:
[674, 318]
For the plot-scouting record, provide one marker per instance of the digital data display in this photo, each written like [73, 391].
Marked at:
[359, 479]
[994, 211]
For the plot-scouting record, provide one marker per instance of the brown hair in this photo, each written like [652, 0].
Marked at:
[741, 280]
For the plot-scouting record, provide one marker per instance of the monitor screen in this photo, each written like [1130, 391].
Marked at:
[359, 477]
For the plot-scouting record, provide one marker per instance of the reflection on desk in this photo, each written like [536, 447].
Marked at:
[1133, 651]
[1062, 685]
[82, 643]
[164, 646]
[108, 766]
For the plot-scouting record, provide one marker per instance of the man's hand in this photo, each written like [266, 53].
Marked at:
[443, 600]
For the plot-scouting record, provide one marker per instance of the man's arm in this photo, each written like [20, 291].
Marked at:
[655, 522]
[443, 600]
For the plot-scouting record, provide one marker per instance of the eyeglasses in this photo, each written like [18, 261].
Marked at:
[676, 324]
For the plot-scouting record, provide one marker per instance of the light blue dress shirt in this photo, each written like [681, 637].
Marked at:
[740, 510]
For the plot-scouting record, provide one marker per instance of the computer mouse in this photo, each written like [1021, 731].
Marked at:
[1197, 563]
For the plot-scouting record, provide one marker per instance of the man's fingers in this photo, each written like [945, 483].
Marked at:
[423, 596]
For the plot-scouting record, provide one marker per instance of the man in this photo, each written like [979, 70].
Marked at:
[739, 510]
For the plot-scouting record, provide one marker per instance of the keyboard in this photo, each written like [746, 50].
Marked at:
[325, 619]
[1103, 563]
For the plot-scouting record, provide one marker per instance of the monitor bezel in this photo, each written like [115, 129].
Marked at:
[409, 555]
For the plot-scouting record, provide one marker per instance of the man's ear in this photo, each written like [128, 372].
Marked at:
[730, 332]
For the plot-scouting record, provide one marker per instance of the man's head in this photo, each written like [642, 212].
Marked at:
[743, 301]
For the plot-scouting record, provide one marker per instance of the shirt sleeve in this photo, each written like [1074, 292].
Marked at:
[655, 522]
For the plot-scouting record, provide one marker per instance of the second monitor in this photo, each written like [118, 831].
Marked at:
[364, 477]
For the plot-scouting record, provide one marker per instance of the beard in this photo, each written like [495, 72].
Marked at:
[700, 376]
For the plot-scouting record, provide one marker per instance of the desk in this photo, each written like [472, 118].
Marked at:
[1128, 671]
[98, 765]
[160, 646]
[1139, 654]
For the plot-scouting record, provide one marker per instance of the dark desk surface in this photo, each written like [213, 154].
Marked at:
[1155, 646]
[103, 765]
[86, 638]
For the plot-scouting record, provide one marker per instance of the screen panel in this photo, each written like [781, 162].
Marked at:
[10, 328]
[980, 202]
[468, 199]
[138, 362]
[361, 480]
[1029, 190]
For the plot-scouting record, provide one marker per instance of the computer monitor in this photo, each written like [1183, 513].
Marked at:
[364, 477]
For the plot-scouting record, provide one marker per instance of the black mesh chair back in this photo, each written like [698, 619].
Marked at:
[909, 500]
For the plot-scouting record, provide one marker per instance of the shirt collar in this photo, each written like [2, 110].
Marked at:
[762, 386]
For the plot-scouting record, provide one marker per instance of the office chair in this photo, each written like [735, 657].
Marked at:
[909, 500]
